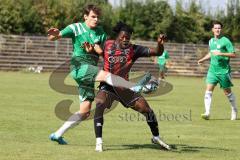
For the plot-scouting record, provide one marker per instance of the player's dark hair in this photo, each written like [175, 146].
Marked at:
[91, 7]
[217, 22]
[120, 26]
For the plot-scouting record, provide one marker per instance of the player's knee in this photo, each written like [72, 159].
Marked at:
[100, 107]
[227, 91]
[102, 75]
[101, 98]
[101, 104]
[85, 115]
[144, 110]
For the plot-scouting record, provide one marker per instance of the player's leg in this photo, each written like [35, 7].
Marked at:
[118, 81]
[162, 76]
[86, 96]
[141, 106]
[232, 99]
[211, 83]
[161, 72]
[103, 100]
[72, 121]
[226, 84]
[90, 73]
[208, 101]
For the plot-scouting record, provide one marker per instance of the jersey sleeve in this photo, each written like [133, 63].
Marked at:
[209, 45]
[68, 32]
[141, 51]
[230, 47]
[103, 39]
[167, 55]
[158, 59]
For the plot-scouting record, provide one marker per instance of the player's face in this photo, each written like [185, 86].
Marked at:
[92, 19]
[124, 39]
[217, 30]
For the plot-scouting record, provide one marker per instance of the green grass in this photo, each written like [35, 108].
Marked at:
[27, 118]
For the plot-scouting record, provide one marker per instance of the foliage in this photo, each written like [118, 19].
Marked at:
[10, 21]
[148, 19]
[185, 23]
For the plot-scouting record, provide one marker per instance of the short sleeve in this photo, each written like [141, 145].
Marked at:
[167, 55]
[141, 51]
[229, 47]
[68, 31]
[103, 39]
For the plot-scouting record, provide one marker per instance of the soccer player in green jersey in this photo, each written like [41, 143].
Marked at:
[220, 52]
[88, 39]
[163, 61]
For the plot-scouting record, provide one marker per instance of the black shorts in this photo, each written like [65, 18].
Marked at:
[125, 96]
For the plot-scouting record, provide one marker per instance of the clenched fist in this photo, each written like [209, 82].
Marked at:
[162, 38]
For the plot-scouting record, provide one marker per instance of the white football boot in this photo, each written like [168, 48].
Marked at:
[157, 140]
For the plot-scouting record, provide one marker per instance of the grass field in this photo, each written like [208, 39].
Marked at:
[27, 118]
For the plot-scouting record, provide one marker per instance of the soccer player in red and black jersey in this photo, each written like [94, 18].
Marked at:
[119, 56]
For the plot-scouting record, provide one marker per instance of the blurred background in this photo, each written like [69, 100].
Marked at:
[24, 23]
[185, 21]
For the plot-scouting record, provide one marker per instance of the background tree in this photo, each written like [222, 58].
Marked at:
[188, 24]
[31, 20]
[231, 20]
[10, 17]
[148, 19]
[185, 23]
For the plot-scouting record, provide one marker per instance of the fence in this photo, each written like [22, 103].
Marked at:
[23, 52]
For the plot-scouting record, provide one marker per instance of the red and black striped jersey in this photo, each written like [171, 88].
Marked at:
[119, 61]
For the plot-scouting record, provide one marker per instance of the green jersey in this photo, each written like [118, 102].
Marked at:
[220, 64]
[80, 33]
[163, 58]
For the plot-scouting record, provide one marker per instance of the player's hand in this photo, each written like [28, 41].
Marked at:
[162, 38]
[98, 49]
[53, 32]
[200, 62]
[88, 47]
[169, 64]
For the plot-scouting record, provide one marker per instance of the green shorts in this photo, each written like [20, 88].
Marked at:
[85, 76]
[162, 68]
[224, 80]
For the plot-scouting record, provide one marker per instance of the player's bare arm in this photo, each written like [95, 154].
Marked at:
[161, 39]
[230, 55]
[206, 57]
[160, 47]
[168, 63]
[54, 34]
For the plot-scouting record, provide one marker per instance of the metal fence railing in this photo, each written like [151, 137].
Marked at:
[20, 52]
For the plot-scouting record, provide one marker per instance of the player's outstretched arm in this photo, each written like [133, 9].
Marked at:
[160, 41]
[206, 57]
[160, 47]
[54, 34]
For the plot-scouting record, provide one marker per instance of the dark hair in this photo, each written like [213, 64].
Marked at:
[120, 26]
[217, 22]
[91, 7]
